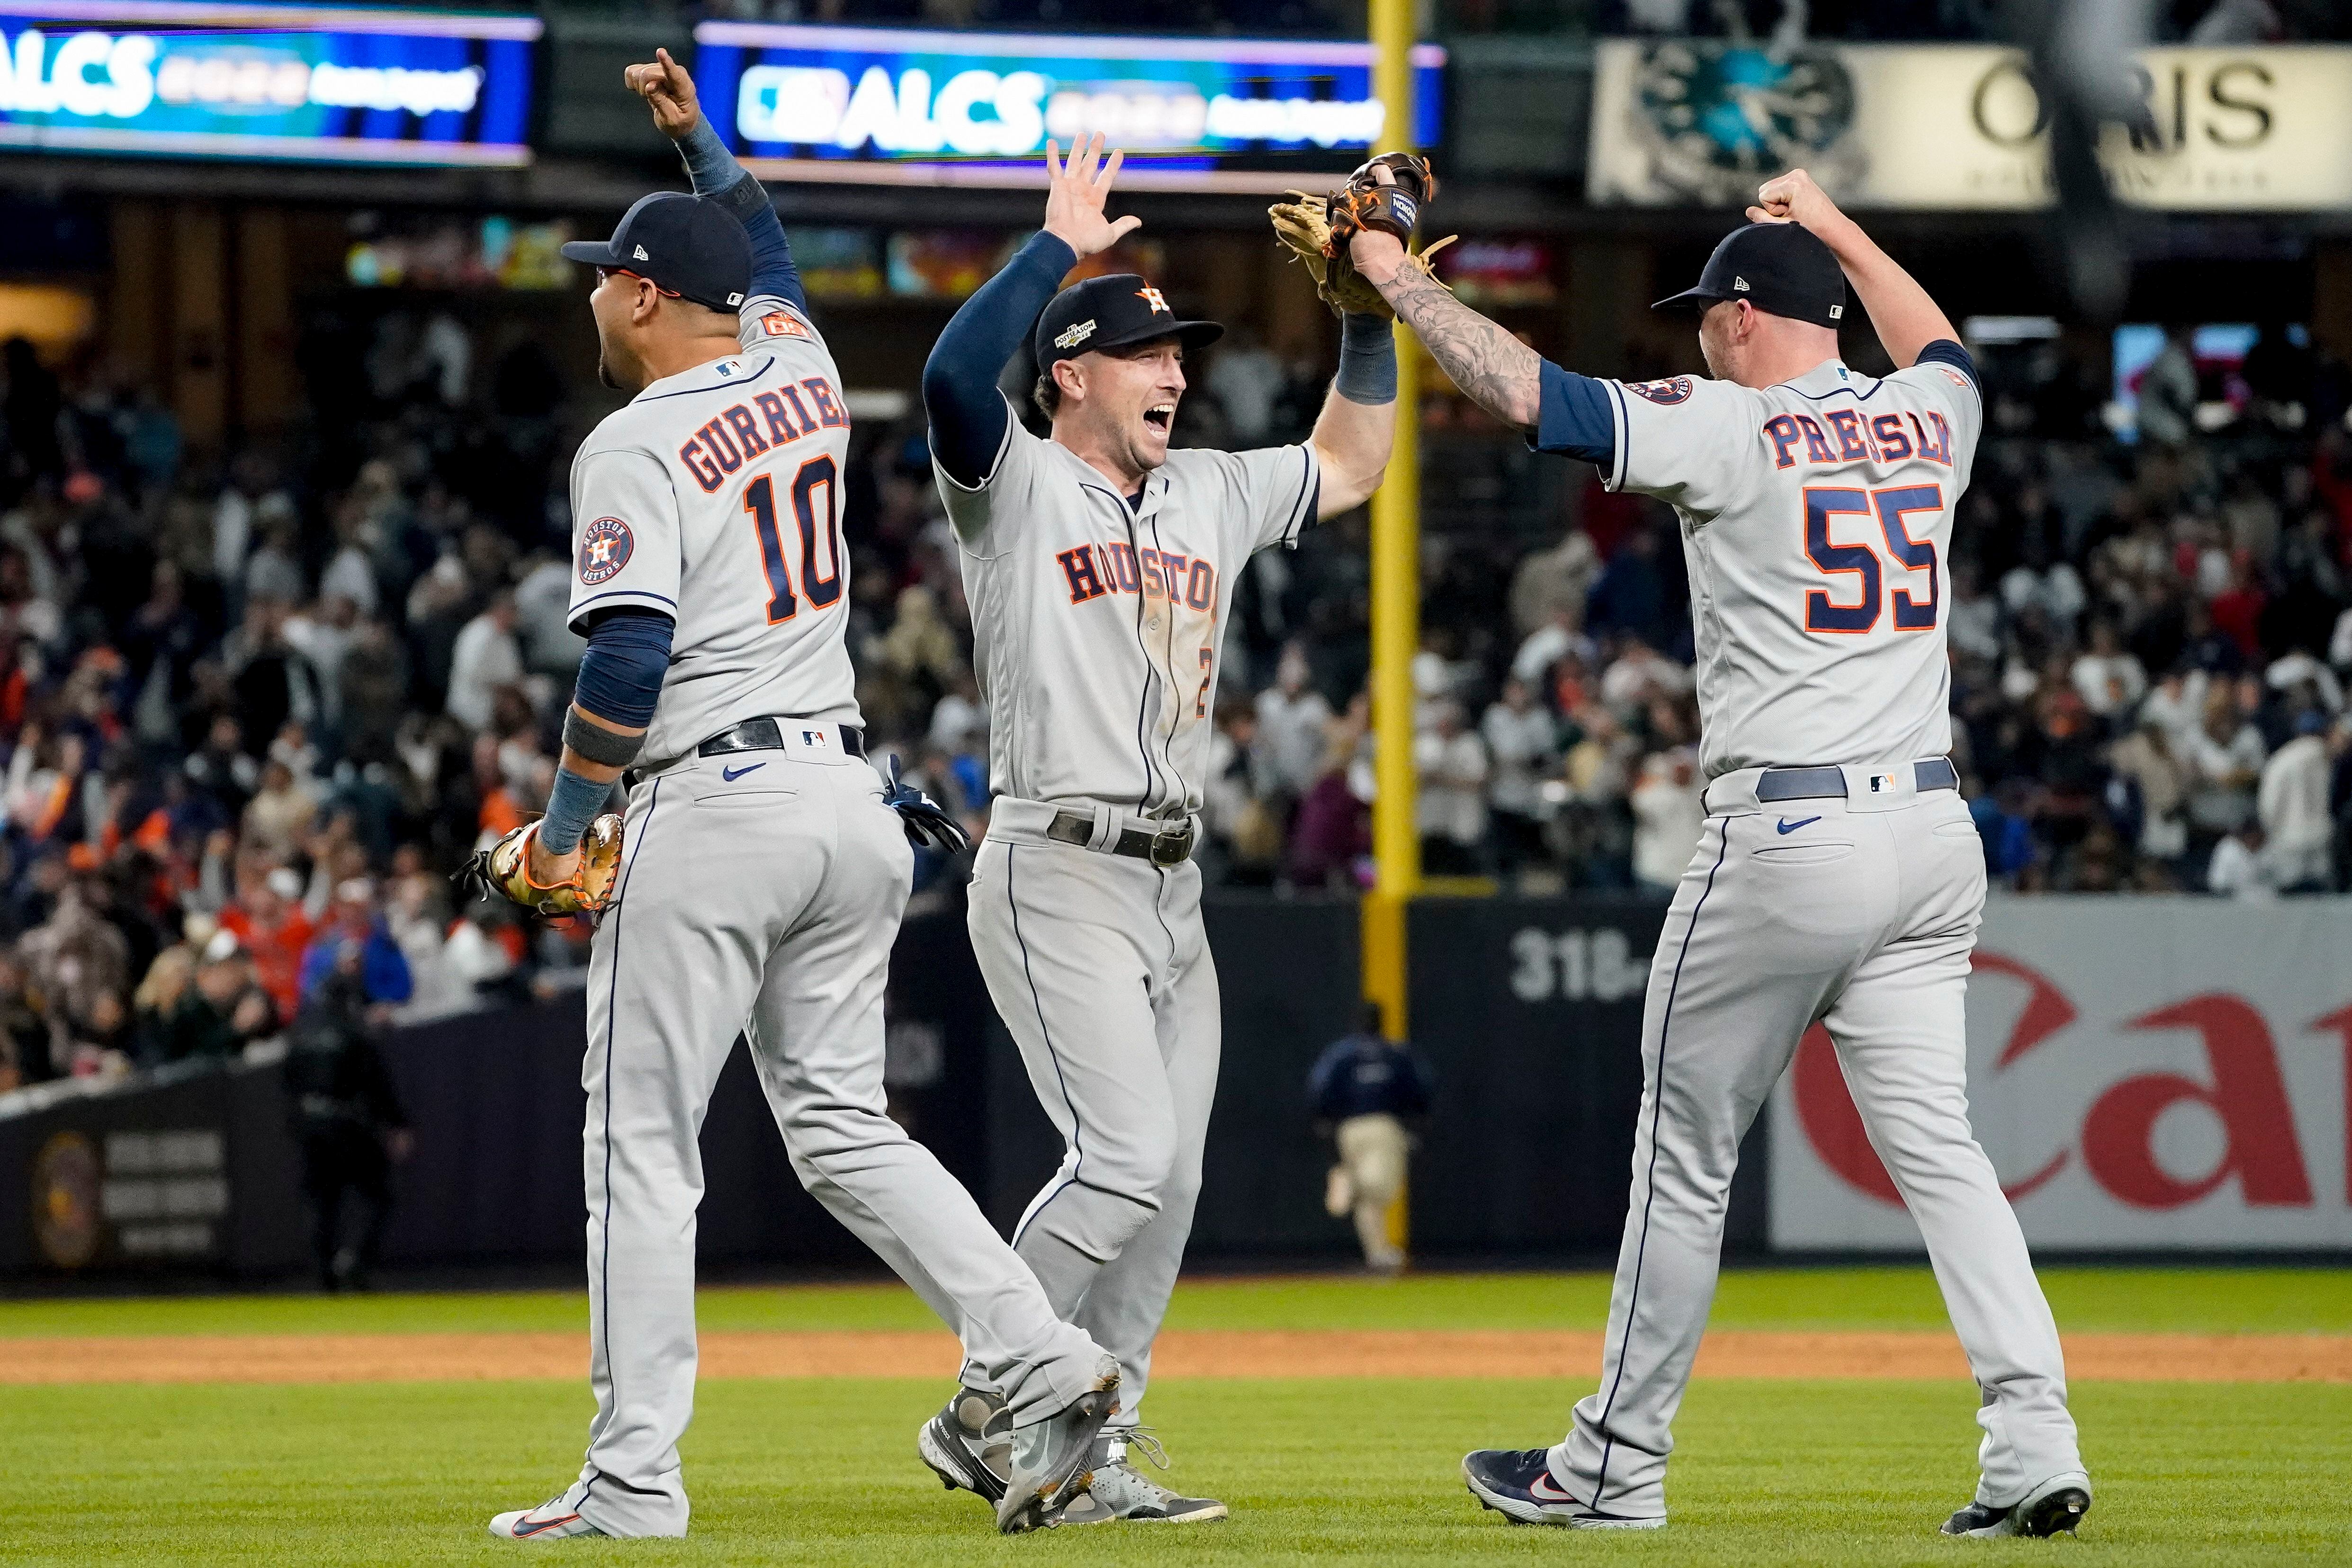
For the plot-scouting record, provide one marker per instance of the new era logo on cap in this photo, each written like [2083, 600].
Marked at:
[686, 246]
[1739, 284]
[1837, 312]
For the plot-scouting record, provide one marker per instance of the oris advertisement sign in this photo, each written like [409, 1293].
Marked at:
[2146, 1075]
[1701, 122]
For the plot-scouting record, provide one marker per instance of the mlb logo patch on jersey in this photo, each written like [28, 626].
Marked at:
[604, 549]
[776, 324]
[1671, 390]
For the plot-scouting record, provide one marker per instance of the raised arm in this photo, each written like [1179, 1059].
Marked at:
[1356, 429]
[1906, 319]
[669, 92]
[968, 414]
[1494, 369]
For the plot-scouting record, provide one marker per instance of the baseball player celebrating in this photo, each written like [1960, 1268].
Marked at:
[1100, 569]
[765, 872]
[1839, 878]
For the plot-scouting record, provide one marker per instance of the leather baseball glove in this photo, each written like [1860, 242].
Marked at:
[504, 869]
[1316, 229]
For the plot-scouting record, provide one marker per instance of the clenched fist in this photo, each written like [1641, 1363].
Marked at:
[668, 91]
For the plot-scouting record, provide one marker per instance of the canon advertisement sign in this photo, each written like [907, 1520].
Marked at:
[2145, 1075]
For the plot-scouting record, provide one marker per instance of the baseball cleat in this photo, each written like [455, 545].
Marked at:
[2057, 1504]
[1122, 1492]
[551, 1520]
[969, 1444]
[1518, 1484]
[1048, 1464]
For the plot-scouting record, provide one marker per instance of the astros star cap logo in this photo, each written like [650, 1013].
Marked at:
[1153, 297]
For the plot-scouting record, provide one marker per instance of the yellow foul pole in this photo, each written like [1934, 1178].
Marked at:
[1396, 589]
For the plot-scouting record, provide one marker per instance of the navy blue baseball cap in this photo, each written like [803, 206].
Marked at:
[1111, 313]
[1783, 269]
[682, 245]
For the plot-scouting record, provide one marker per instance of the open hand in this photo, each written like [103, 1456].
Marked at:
[1075, 193]
[1794, 198]
[668, 91]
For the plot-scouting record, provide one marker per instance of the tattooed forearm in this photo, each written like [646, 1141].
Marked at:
[1497, 371]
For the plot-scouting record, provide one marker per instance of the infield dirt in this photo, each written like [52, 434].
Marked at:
[1213, 1353]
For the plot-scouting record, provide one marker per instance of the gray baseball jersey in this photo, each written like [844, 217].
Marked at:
[1098, 624]
[1817, 519]
[760, 898]
[715, 497]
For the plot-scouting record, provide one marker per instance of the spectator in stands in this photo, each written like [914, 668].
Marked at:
[26, 1040]
[270, 928]
[1667, 817]
[2292, 805]
[487, 658]
[212, 1012]
[1451, 806]
[1367, 1092]
[354, 924]
[1523, 743]
[1293, 726]
[2238, 869]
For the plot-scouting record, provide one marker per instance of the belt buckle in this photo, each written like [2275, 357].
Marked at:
[1171, 847]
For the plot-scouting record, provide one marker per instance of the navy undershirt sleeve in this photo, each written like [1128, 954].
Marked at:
[714, 173]
[621, 673]
[1944, 351]
[968, 414]
[1573, 418]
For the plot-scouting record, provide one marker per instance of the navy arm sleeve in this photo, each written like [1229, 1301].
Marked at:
[967, 413]
[1573, 418]
[1944, 351]
[621, 673]
[716, 174]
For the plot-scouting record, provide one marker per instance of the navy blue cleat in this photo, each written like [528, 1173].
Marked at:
[1518, 1484]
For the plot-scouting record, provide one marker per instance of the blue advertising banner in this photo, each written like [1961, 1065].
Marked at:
[906, 107]
[186, 79]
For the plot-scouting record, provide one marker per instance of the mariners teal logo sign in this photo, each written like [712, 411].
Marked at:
[1723, 115]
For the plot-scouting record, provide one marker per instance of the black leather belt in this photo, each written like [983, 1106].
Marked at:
[1829, 783]
[1169, 846]
[768, 735]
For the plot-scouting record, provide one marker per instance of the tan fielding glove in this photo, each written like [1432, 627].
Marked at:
[504, 869]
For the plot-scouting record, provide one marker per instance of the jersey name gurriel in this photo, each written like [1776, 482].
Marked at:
[736, 434]
[1096, 570]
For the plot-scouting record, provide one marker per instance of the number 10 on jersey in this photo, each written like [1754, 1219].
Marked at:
[759, 500]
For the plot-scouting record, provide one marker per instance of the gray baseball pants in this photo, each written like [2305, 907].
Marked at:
[763, 904]
[1100, 967]
[1860, 914]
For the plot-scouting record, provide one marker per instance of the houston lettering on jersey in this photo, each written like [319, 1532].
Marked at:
[721, 446]
[1094, 571]
[1844, 436]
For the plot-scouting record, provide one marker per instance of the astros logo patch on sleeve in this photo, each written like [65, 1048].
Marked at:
[604, 547]
[1673, 390]
[776, 324]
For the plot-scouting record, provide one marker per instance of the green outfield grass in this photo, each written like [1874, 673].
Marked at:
[823, 1472]
[2088, 1300]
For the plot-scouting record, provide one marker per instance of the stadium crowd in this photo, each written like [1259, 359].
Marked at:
[257, 710]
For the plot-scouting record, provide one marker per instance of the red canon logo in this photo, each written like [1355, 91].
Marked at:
[2246, 1094]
